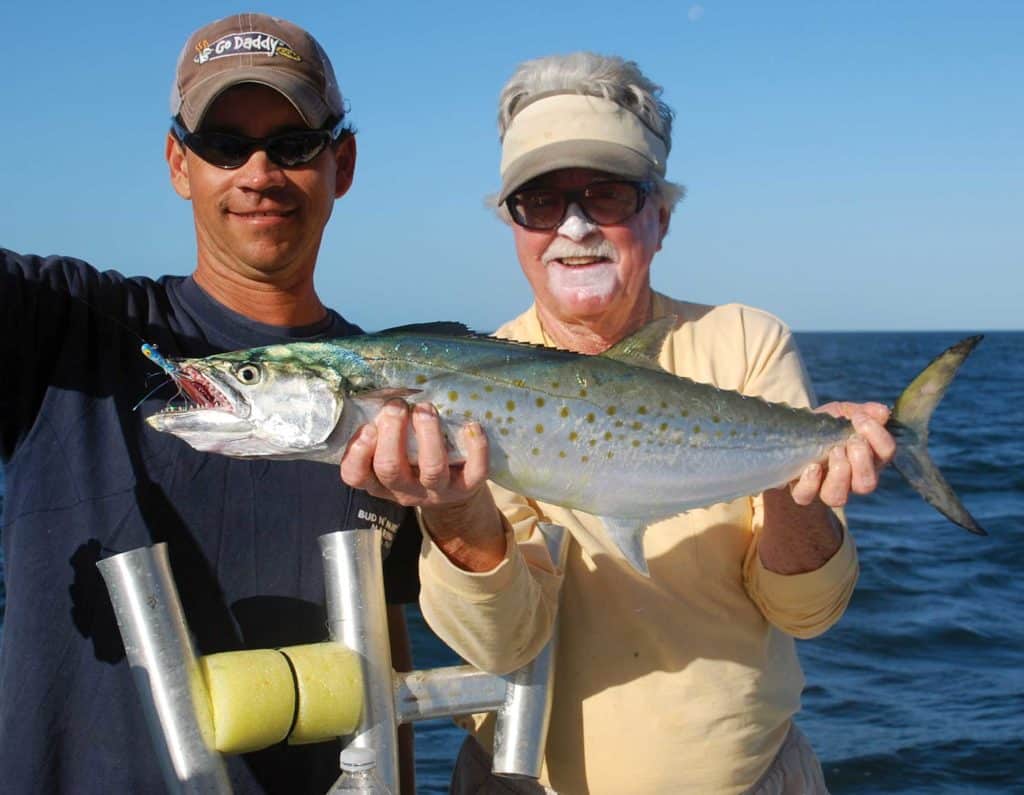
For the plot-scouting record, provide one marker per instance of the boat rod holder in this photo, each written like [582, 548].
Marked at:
[177, 706]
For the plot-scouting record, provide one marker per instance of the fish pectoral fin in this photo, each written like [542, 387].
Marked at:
[643, 348]
[384, 395]
[628, 537]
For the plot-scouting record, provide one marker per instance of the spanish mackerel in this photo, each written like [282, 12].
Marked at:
[613, 435]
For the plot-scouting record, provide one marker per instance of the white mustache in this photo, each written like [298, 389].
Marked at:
[561, 248]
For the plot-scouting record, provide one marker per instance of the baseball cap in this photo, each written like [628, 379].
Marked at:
[255, 48]
[570, 130]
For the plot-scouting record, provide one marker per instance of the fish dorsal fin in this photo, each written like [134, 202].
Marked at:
[643, 348]
[447, 328]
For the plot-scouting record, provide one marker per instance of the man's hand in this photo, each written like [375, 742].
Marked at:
[854, 466]
[456, 507]
[376, 459]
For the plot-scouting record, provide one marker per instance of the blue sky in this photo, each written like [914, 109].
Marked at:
[850, 165]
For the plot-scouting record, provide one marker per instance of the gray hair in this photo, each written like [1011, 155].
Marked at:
[607, 76]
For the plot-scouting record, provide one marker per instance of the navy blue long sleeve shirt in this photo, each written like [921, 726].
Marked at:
[87, 478]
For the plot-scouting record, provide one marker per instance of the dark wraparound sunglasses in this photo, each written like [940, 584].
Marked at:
[288, 150]
[605, 202]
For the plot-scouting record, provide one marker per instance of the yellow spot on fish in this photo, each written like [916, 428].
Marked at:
[664, 405]
[732, 432]
[488, 388]
[503, 431]
[611, 410]
[468, 415]
[583, 393]
[421, 379]
[554, 385]
[535, 451]
[453, 396]
[641, 410]
[607, 436]
[539, 428]
[573, 436]
[636, 443]
[619, 423]
[540, 403]
[565, 411]
[584, 458]
[592, 442]
[684, 413]
[696, 429]
[611, 454]
[636, 426]
[519, 382]
[474, 395]
[590, 417]
[716, 418]
[511, 405]
[663, 427]
[489, 414]
[561, 453]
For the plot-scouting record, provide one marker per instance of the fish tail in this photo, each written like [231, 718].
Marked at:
[909, 427]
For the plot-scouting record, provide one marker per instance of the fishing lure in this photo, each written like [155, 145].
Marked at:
[151, 352]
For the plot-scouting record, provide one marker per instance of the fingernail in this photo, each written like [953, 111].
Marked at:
[425, 409]
[395, 409]
[367, 435]
[812, 469]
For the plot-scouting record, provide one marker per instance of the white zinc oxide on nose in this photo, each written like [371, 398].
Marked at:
[576, 226]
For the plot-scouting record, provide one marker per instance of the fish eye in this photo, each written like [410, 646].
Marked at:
[248, 374]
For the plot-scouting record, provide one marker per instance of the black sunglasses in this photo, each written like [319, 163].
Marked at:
[226, 150]
[604, 202]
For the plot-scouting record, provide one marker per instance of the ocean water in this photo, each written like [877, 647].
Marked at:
[920, 687]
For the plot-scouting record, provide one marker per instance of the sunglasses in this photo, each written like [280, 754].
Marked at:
[226, 150]
[605, 202]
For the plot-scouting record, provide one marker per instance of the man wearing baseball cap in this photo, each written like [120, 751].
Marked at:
[260, 148]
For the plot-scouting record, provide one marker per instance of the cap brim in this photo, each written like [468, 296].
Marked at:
[604, 156]
[300, 93]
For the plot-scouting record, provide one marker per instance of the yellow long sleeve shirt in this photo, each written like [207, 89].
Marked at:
[683, 682]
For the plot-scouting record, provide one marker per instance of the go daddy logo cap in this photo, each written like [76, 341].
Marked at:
[255, 48]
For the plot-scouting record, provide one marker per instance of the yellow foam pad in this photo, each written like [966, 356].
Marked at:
[253, 698]
[330, 691]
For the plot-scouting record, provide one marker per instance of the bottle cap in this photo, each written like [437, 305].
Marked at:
[353, 759]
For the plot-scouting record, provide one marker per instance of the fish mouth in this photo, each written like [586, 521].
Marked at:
[203, 404]
[205, 393]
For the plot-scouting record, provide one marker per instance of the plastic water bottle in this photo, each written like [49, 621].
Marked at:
[359, 773]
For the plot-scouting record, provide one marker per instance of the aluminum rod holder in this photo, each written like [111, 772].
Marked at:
[357, 617]
[521, 725]
[440, 692]
[164, 666]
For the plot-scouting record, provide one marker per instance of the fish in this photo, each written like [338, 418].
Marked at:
[613, 434]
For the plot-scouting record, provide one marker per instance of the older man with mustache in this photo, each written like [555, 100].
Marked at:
[686, 681]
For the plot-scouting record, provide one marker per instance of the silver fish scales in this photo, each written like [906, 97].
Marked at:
[613, 435]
